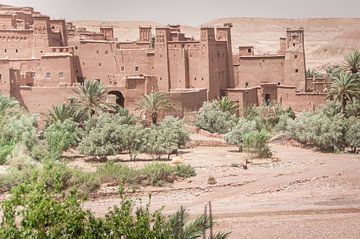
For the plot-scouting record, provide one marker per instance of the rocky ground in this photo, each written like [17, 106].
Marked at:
[299, 194]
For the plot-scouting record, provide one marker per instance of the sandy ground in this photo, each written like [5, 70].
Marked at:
[306, 194]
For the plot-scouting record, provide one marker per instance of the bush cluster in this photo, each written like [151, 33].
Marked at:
[212, 118]
[327, 128]
[37, 211]
[108, 136]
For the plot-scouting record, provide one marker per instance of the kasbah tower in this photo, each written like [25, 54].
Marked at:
[43, 60]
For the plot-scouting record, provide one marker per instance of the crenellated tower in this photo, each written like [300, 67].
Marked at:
[294, 68]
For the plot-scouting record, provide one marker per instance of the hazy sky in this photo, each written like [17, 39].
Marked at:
[192, 12]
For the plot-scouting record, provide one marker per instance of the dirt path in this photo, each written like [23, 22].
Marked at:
[305, 195]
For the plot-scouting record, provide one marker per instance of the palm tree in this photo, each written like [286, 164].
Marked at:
[91, 98]
[154, 103]
[345, 87]
[352, 62]
[61, 113]
[228, 105]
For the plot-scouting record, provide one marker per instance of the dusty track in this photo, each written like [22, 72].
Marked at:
[305, 195]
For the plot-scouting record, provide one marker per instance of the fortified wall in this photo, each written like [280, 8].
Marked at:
[42, 61]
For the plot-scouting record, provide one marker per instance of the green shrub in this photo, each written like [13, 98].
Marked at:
[269, 114]
[211, 118]
[320, 130]
[36, 211]
[60, 136]
[111, 172]
[134, 139]
[17, 128]
[104, 134]
[177, 127]
[236, 135]
[255, 143]
[353, 133]
[157, 174]
[184, 171]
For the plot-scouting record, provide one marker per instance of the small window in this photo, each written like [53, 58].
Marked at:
[202, 78]
[99, 64]
[16, 50]
[77, 71]
[249, 50]
[136, 68]
[106, 52]
[246, 84]
[5, 50]
[97, 51]
[122, 68]
[76, 47]
[0, 76]
[61, 74]
[195, 78]
[48, 75]
[160, 78]
[293, 44]
[296, 70]
[278, 83]
[295, 56]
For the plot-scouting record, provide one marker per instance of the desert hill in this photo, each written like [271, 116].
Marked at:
[327, 40]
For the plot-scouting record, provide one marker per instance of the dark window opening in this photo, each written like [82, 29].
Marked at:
[136, 68]
[106, 52]
[249, 50]
[296, 70]
[195, 78]
[99, 64]
[76, 47]
[246, 84]
[293, 44]
[267, 99]
[278, 83]
[202, 78]
[97, 52]
[0, 76]
[16, 50]
[295, 56]
[160, 78]
[5, 50]
[122, 68]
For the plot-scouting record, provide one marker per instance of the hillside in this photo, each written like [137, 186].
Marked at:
[327, 40]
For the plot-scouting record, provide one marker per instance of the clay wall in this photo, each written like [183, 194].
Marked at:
[246, 51]
[132, 61]
[294, 67]
[269, 92]
[179, 66]
[256, 70]
[59, 33]
[16, 43]
[282, 47]
[96, 60]
[108, 33]
[244, 97]
[4, 78]
[187, 101]
[162, 58]
[40, 99]
[145, 34]
[7, 21]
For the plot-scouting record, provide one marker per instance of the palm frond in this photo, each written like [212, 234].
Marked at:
[352, 62]
[226, 104]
